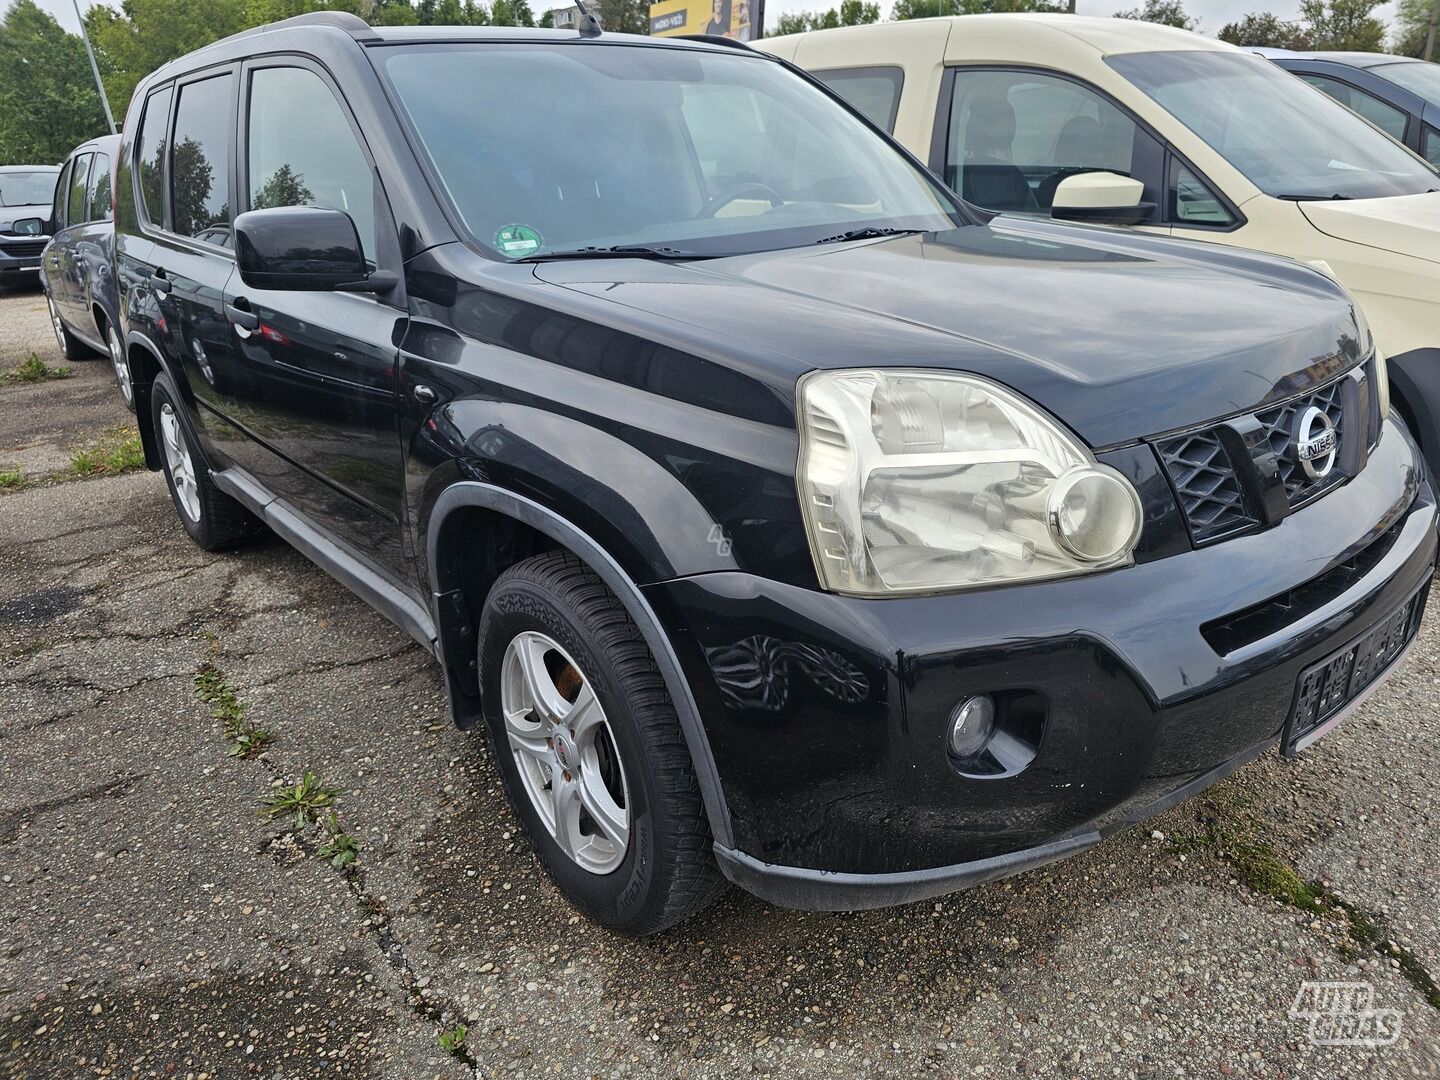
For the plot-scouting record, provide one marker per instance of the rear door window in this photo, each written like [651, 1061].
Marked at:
[1431, 145]
[101, 204]
[150, 154]
[200, 157]
[79, 204]
[872, 92]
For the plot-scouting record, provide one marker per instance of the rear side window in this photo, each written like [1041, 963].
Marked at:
[1014, 136]
[1430, 147]
[100, 201]
[303, 152]
[150, 156]
[200, 158]
[79, 202]
[1387, 118]
[873, 92]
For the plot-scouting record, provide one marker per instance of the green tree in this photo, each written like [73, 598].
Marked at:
[622, 16]
[48, 101]
[192, 180]
[849, 13]
[144, 34]
[284, 187]
[1164, 12]
[1263, 30]
[926, 9]
[1343, 25]
[1413, 19]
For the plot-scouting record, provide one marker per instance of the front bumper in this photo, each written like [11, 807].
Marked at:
[827, 715]
[13, 265]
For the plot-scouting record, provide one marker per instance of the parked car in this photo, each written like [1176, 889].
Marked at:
[25, 195]
[1398, 94]
[79, 262]
[1129, 123]
[783, 518]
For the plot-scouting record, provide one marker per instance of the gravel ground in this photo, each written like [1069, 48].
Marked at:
[153, 924]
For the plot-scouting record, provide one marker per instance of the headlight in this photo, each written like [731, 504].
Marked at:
[923, 481]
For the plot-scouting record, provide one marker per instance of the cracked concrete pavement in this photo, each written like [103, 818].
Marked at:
[153, 924]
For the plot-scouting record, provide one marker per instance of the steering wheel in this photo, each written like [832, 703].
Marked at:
[740, 191]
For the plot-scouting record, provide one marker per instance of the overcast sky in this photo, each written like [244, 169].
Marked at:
[1213, 14]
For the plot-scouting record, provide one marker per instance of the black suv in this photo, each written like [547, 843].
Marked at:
[78, 267]
[784, 518]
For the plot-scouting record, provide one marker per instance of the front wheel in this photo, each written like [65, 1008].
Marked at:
[590, 748]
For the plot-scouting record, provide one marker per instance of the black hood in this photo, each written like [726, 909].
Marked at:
[1120, 335]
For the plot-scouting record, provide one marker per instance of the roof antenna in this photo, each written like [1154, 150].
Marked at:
[589, 25]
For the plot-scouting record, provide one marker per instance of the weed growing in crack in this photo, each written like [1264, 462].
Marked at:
[305, 801]
[453, 1040]
[1236, 832]
[32, 370]
[11, 480]
[118, 451]
[241, 738]
[340, 847]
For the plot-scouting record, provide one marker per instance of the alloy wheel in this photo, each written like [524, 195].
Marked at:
[57, 324]
[121, 366]
[177, 458]
[565, 752]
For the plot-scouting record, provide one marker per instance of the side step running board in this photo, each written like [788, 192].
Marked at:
[331, 555]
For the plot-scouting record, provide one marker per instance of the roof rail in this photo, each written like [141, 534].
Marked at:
[353, 25]
[714, 39]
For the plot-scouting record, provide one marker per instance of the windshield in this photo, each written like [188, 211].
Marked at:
[1419, 78]
[1289, 139]
[544, 149]
[27, 188]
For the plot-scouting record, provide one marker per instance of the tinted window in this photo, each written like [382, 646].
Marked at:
[701, 150]
[1430, 145]
[150, 154]
[1418, 78]
[874, 92]
[79, 191]
[200, 158]
[1192, 202]
[1291, 141]
[1389, 120]
[100, 202]
[303, 151]
[1014, 136]
[59, 197]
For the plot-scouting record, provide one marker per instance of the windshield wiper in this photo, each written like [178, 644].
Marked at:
[869, 233]
[1316, 198]
[620, 251]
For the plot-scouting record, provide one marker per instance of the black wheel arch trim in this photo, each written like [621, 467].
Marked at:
[1415, 390]
[453, 638]
[141, 391]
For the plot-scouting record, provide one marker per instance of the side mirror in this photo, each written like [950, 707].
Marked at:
[28, 226]
[305, 248]
[1101, 198]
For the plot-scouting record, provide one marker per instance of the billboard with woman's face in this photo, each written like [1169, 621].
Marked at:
[738, 19]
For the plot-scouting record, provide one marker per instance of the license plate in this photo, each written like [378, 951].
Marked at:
[1326, 688]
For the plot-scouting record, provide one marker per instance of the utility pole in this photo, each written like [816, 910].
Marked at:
[1430, 37]
[95, 68]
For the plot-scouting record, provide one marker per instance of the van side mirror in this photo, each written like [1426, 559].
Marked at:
[307, 248]
[28, 226]
[1101, 198]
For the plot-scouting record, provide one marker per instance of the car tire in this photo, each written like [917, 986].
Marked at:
[213, 519]
[572, 695]
[121, 364]
[71, 347]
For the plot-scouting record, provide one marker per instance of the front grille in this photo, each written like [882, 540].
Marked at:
[1245, 473]
[1206, 484]
[22, 249]
[1279, 425]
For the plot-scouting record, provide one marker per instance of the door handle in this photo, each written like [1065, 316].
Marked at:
[243, 318]
[159, 283]
[425, 395]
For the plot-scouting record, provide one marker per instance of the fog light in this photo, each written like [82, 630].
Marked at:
[971, 725]
[1094, 514]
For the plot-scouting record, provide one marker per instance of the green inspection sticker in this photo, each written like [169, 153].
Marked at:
[518, 241]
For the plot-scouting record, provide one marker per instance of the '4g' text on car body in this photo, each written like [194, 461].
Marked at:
[783, 518]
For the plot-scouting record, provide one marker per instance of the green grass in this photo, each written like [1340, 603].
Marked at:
[33, 370]
[118, 451]
[11, 480]
[304, 801]
[241, 737]
[453, 1041]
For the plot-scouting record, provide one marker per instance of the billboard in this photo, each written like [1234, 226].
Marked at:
[738, 19]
